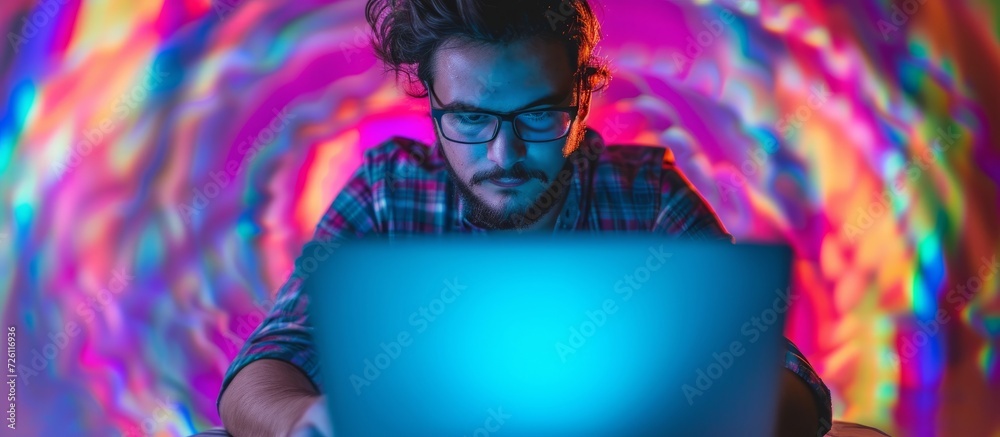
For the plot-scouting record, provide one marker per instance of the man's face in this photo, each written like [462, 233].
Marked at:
[502, 178]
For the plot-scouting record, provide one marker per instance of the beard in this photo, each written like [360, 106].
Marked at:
[484, 215]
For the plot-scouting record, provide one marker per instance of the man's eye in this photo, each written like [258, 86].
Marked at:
[537, 116]
[472, 118]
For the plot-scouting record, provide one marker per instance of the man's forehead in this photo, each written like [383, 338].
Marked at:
[500, 77]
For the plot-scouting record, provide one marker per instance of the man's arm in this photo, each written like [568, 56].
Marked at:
[275, 377]
[266, 398]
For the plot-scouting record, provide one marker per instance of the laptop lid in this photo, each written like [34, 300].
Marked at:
[571, 335]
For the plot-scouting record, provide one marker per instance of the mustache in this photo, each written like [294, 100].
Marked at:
[518, 171]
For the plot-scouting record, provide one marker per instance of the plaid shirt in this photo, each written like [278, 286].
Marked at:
[402, 187]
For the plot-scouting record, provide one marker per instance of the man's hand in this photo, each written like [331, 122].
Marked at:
[315, 422]
[798, 414]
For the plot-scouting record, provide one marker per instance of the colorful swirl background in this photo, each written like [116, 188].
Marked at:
[863, 133]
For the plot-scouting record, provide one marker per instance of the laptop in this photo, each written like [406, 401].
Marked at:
[561, 335]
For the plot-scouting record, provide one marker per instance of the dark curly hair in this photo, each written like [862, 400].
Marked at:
[406, 33]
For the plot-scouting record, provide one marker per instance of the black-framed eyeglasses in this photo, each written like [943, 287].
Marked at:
[474, 127]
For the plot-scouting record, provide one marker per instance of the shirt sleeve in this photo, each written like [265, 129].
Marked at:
[286, 333]
[797, 363]
[685, 213]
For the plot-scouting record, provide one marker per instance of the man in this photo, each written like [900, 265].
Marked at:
[509, 84]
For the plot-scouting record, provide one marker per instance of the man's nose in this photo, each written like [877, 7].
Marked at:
[506, 149]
